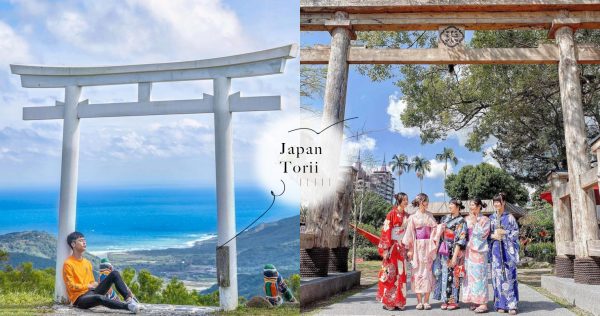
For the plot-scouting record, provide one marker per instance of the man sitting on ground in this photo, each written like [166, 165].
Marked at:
[82, 290]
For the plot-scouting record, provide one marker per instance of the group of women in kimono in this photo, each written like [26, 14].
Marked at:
[449, 257]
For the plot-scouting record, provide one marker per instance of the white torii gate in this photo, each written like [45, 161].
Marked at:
[222, 104]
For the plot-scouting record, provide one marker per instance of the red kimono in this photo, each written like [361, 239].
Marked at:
[392, 276]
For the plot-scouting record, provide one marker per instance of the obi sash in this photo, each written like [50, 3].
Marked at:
[398, 233]
[449, 234]
[423, 232]
[470, 232]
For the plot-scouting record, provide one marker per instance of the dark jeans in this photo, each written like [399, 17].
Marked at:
[97, 296]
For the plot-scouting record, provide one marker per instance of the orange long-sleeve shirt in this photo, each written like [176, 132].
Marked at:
[77, 274]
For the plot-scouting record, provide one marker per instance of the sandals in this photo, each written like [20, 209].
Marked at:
[500, 310]
[420, 306]
[388, 308]
[512, 312]
[452, 306]
[472, 307]
[481, 310]
[444, 306]
[426, 306]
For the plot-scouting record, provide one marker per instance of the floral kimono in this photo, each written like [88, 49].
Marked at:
[504, 257]
[447, 287]
[475, 285]
[392, 276]
[422, 236]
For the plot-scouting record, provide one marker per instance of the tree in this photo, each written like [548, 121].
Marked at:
[447, 154]
[176, 293]
[538, 224]
[485, 181]
[149, 286]
[400, 164]
[517, 105]
[3, 255]
[312, 80]
[421, 166]
[375, 208]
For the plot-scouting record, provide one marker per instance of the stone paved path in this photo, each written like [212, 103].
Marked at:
[364, 303]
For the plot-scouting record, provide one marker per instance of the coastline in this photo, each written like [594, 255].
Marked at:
[150, 244]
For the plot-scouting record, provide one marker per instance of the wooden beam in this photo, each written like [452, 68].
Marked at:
[394, 6]
[569, 248]
[594, 248]
[589, 178]
[431, 21]
[544, 54]
[563, 191]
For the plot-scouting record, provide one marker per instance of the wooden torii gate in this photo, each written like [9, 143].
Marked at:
[222, 104]
[341, 18]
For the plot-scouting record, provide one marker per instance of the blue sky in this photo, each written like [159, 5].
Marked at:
[139, 151]
[378, 104]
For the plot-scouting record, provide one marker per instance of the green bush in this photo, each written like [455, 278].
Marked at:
[542, 251]
[367, 253]
[211, 299]
[294, 285]
[27, 279]
[361, 241]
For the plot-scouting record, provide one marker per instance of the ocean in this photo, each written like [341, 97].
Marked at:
[125, 219]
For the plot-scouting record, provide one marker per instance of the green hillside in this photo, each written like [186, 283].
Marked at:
[37, 247]
[277, 243]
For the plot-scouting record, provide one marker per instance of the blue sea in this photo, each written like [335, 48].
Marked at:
[125, 219]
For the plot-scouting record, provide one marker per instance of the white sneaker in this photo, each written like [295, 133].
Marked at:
[133, 307]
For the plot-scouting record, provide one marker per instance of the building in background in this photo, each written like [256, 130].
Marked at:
[379, 180]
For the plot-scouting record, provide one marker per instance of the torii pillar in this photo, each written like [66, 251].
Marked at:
[583, 212]
[320, 218]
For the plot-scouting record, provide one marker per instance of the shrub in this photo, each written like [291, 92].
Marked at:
[542, 251]
[294, 285]
[367, 253]
[361, 241]
[176, 293]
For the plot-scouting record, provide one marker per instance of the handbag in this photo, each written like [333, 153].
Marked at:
[443, 250]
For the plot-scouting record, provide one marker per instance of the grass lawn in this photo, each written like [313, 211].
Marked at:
[24, 303]
[24, 310]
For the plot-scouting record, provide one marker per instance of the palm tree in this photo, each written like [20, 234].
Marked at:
[447, 154]
[421, 166]
[402, 164]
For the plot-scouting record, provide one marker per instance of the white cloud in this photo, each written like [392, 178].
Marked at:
[437, 169]
[396, 107]
[439, 194]
[462, 136]
[487, 156]
[147, 29]
[364, 143]
[13, 48]
[41, 140]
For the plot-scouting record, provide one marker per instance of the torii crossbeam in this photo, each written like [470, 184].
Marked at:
[222, 104]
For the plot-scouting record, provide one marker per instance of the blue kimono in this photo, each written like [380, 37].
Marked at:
[505, 253]
[448, 280]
